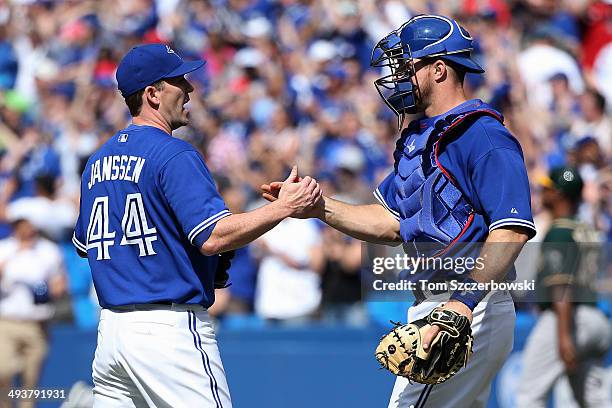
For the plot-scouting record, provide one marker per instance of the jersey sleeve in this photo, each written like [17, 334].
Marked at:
[192, 194]
[79, 240]
[385, 194]
[502, 189]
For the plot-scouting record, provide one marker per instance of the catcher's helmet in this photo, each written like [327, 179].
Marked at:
[423, 36]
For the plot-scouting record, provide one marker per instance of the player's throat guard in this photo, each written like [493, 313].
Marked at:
[421, 37]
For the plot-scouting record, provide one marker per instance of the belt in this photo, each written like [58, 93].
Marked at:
[159, 306]
[420, 294]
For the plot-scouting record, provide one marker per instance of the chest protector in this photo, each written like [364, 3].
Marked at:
[434, 212]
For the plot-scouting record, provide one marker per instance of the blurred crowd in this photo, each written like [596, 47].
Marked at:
[286, 82]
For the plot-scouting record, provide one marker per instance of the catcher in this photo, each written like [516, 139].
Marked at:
[459, 177]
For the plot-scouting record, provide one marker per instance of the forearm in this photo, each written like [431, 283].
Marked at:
[564, 311]
[57, 286]
[497, 256]
[371, 223]
[498, 253]
[238, 230]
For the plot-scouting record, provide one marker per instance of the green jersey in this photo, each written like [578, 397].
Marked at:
[569, 263]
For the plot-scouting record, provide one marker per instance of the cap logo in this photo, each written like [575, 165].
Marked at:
[169, 50]
[568, 175]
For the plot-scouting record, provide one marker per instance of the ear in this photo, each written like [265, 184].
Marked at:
[151, 96]
[439, 70]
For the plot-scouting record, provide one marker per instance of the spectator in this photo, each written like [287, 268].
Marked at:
[45, 202]
[8, 61]
[31, 278]
[341, 281]
[594, 122]
[541, 60]
[288, 281]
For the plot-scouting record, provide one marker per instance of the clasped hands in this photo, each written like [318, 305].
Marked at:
[305, 198]
[301, 196]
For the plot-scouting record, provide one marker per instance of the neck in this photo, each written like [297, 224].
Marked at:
[444, 101]
[563, 209]
[27, 242]
[154, 121]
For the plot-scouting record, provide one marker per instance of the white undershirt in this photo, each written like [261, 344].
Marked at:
[21, 268]
[284, 292]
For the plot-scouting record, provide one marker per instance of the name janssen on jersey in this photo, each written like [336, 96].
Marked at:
[111, 168]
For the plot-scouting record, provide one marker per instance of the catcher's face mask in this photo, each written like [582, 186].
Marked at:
[396, 89]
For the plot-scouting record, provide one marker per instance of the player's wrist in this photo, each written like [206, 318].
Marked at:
[282, 208]
[470, 298]
[459, 307]
[329, 210]
[318, 211]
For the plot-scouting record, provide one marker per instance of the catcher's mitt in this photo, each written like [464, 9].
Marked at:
[401, 350]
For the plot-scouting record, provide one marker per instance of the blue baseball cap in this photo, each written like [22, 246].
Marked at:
[146, 64]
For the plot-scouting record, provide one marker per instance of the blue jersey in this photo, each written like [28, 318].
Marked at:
[487, 164]
[148, 203]
[484, 161]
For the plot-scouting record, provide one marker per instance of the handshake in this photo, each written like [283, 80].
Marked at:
[302, 197]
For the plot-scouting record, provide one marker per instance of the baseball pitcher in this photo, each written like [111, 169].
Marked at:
[572, 336]
[159, 239]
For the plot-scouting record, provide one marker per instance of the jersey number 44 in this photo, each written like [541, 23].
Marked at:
[134, 225]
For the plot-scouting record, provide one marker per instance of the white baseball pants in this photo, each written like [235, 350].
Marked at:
[493, 331]
[543, 366]
[158, 356]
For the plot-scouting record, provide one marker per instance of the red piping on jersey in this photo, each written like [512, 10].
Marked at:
[450, 176]
[454, 241]
[453, 125]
